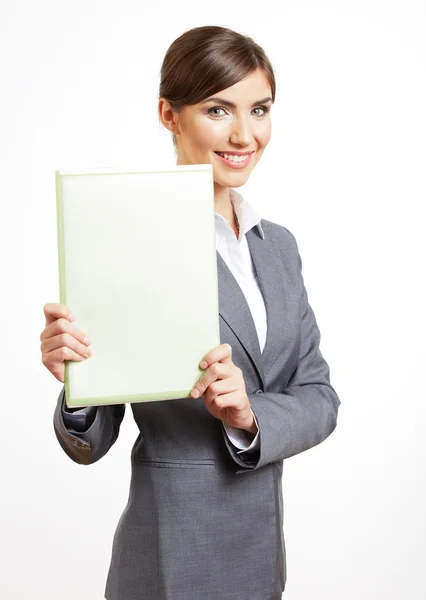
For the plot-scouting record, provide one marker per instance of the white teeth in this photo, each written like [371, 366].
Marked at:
[234, 157]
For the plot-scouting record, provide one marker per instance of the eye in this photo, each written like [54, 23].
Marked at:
[264, 108]
[215, 108]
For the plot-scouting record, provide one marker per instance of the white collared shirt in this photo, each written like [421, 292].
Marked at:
[236, 254]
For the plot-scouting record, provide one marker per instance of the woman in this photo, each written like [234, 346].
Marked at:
[204, 519]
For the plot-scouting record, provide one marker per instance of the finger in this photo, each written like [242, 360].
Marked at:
[216, 371]
[224, 386]
[232, 399]
[222, 353]
[54, 310]
[59, 355]
[62, 325]
[228, 407]
[54, 360]
[65, 340]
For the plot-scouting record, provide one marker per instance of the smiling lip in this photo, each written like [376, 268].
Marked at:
[235, 153]
[234, 165]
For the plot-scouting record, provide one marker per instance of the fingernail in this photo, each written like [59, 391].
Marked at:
[88, 352]
[71, 317]
[203, 364]
[195, 393]
[87, 341]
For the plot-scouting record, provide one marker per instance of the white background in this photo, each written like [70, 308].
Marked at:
[344, 171]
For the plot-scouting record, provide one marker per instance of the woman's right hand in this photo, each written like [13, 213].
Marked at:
[61, 341]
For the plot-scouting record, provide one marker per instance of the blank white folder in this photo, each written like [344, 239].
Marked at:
[138, 270]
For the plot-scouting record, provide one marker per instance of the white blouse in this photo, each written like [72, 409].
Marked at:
[236, 254]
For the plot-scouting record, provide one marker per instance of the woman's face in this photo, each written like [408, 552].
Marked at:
[235, 121]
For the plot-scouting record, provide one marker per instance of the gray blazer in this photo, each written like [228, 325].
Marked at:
[203, 522]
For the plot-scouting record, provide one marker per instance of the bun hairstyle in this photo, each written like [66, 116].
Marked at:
[205, 60]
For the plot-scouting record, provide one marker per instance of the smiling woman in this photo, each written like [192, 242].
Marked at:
[204, 518]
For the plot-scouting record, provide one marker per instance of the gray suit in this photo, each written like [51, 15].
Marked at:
[203, 522]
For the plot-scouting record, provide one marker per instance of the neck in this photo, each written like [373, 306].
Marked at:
[222, 201]
[223, 206]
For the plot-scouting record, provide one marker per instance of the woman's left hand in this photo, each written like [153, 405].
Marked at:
[224, 389]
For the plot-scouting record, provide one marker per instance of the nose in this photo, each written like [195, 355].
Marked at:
[241, 133]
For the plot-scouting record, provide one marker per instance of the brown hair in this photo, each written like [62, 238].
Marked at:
[205, 60]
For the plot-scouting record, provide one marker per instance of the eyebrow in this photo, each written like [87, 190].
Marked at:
[232, 105]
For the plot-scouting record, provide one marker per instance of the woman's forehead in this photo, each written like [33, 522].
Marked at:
[256, 85]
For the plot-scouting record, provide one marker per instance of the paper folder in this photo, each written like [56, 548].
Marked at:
[138, 270]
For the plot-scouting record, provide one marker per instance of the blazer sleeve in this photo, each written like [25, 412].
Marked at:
[305, 413]
[87, 435]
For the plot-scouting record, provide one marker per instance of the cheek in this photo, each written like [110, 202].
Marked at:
[206, 134]
[264, 135]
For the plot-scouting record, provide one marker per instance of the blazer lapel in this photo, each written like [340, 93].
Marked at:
[235, 310]
[273, 284]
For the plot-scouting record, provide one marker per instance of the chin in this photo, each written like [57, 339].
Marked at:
[231, 182]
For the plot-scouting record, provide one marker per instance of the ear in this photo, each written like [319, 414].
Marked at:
[168, 116]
